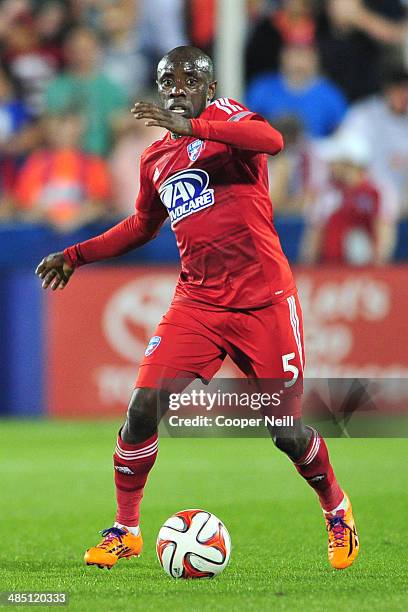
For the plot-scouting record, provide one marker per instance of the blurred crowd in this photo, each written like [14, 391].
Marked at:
[330, 74]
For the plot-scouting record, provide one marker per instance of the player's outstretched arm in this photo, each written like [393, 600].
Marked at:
[55, 271]
[252, 134]
[132, 232]
[255, 134]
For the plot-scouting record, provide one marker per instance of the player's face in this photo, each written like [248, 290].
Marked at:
[184, 88]
[345, 172]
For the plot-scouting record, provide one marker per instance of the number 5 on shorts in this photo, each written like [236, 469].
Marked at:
[289, 367]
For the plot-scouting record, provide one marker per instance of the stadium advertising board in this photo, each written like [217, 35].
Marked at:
[100, 327]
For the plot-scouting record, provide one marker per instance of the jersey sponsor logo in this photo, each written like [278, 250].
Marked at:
[152, 346]
[185, 193]
[194, 149]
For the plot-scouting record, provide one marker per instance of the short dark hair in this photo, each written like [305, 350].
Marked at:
[202, 61]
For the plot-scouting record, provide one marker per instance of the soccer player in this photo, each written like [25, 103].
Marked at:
[235, 295]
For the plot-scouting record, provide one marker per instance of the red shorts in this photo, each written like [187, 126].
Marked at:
[191, 342]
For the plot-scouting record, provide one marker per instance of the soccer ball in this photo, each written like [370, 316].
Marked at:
[193, 544]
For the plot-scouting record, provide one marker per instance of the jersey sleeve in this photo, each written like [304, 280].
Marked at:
[227, 109]
[148, 206]
[132, 232]
[233, 124]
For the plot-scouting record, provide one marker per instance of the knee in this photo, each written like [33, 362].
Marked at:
[287, 443]
[142, 415]
[293, 442]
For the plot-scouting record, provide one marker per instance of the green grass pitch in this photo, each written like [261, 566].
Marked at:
[57, 492]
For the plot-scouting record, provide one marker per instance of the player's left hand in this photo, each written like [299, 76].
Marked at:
[162, 118]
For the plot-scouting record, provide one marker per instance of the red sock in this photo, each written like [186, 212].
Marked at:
[315, 467]
[132, 463]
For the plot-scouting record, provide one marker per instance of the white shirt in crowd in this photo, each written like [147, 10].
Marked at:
[387, 136]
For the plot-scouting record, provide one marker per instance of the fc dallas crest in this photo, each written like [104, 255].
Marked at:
[194, 149]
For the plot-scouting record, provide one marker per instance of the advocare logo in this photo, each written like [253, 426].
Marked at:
[185, 193]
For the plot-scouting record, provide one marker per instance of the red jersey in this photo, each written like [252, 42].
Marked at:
[356, 208]
[217, 198]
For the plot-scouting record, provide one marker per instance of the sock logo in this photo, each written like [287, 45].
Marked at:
[316, 479]
[124, 469]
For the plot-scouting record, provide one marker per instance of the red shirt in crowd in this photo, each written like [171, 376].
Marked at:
[355, 209]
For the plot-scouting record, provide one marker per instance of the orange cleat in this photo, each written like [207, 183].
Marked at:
[116, 544]
[343, 544]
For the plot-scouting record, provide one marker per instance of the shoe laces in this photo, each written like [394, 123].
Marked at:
[111, 534]
[337, 527]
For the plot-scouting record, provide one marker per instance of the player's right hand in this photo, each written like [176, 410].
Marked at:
[54, 271]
